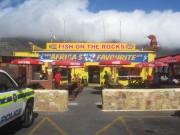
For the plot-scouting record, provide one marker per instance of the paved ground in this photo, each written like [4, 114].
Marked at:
[85, 117]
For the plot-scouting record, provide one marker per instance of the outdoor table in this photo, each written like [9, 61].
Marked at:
[33, 85]
[64, 86]
[114, 85]
[68, 86]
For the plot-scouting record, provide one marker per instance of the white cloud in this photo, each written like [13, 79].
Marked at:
[70, 20]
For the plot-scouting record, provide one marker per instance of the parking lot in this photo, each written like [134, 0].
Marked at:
[85, 117]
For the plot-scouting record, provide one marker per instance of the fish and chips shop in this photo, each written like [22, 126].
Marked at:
[91, 54]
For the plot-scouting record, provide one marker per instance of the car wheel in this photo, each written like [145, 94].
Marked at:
[28, 115]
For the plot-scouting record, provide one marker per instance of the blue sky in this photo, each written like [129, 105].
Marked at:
[131, 5]
[123, 5]
[92, 20]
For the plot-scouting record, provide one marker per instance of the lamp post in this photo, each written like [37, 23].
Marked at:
[120, 31]
[103, 30]
[82, 32]
[64, 31]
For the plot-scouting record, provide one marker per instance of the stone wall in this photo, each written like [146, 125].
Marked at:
[141, 99]
[51, 100]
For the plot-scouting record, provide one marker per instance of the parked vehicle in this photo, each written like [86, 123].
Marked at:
[16, 102]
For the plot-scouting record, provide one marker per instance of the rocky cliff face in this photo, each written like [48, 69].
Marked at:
[10, 45]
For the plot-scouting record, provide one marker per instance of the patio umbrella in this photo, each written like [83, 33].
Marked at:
[114, 62]
[144, 64]
[26, 61]
[73, 66]
[163, 60]
[175, 59]
[68, 63]
[150, 64]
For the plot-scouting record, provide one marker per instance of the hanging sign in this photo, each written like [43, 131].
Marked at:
[91, 47]
[94, 57]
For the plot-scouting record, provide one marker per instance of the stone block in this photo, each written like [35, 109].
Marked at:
[141, 99]
[51, 100]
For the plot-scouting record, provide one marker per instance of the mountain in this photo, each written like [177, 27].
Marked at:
[10, 45]
[166, 52]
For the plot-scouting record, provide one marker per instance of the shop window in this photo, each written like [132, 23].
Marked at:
[129, 71]
[123, 73]
[38, 73]
[170, 71]
[134, 72]
[156, 70]
[21, 74]
[166, 69]
[64, 72]
[162, 70]
[176, 70]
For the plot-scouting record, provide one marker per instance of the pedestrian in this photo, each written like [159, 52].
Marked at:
[156, 81]
[69, 76]
[57, 79]
[164, 78]
[176, 81]
[106, 79]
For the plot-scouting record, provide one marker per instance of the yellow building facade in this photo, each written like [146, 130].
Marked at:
[91, 54]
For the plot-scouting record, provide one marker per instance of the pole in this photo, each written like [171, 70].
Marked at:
[82, 32]
[67, 74]
[120, 31]
[114, 74]
[104, 30]
[64, 31]
[51, 35]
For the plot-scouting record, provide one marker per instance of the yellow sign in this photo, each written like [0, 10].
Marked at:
[26, 54]
[91, 47]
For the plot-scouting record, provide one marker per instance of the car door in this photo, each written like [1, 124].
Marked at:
[7, 99]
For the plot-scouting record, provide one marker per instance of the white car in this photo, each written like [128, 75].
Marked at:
[15, 102]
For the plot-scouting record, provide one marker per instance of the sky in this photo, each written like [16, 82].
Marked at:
[92, 20]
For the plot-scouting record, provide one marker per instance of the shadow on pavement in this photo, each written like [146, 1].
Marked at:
[13, 127]
[98, 88]
[96, 92]
[177, 113]
[99, 106]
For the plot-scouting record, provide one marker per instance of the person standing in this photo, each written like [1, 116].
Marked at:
[105, 79]
[69, 76]
[164, 78]
[57, 79]
[156, 80]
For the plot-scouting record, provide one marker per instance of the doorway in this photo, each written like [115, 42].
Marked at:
[94, 74]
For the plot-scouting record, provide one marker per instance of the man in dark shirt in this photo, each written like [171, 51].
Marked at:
[106, 79]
